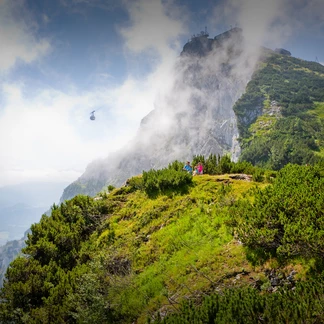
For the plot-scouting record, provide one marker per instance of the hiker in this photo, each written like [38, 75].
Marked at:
[200, 168]
[188, 167]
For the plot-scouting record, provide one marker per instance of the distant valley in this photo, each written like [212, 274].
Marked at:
[23, 205]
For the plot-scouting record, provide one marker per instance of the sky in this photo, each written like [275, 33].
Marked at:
[62, 59]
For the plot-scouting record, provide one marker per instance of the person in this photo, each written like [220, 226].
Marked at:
[187, 167]
[200, 168]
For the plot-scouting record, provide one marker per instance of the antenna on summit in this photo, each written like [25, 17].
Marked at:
[316, 59]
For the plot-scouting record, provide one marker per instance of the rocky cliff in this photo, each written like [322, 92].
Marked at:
[195, 117]
[9, 252]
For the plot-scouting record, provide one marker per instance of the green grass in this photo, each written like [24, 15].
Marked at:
[262, 125]
[177, 245]
[320, 153]
[318, 110]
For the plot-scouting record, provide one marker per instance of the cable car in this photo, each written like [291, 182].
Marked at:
[92, 116]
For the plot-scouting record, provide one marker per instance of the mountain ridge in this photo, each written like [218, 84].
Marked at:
[141, 250]
[196, 117]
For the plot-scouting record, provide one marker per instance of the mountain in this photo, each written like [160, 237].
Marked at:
[281, 114]
[9, 252]
[255, 104]
[242, 243]
[258, 105]
[172, 248]
[195, 117]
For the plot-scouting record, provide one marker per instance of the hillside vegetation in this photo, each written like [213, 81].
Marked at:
[138, 252]
[281, 114]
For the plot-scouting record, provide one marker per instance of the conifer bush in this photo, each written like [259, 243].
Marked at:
[287, 217]
[247, 305]
[155, 181]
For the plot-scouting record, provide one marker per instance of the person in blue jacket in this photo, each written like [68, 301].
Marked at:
[188, 167]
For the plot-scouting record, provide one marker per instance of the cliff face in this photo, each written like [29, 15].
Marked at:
[9, 252]
[195, 117]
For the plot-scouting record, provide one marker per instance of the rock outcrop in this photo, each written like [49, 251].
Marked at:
[195, 117]
[282, 51]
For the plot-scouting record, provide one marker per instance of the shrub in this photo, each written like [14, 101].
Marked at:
[242, 167]
[111, 188]
[225, 164]
[287, 217]
[247, 305]
[135, 183]
[176, 165]
[257, 175]
[155, 181]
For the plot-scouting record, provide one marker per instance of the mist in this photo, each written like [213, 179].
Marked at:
[193, 112]
[48, 133]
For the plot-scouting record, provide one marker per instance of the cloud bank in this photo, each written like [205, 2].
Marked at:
[17, 36]
[47, 135]
[270, 23]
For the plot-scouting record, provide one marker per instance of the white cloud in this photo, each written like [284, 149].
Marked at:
[270, 23]
[48, 136]
[16, 37]
[154, 26]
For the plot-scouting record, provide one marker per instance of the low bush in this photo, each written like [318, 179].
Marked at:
[286, 218]
[247, 305]
[155, 181]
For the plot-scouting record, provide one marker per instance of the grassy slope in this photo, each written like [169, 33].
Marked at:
[179, 246]
[142, 255]
[287, 80]
[318, 112]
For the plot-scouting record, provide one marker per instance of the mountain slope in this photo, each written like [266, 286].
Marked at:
[138, 250]
[280, 116]
[225, 98]
[194, 117]
[132, 254]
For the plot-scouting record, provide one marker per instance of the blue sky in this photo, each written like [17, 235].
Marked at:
[60, 60]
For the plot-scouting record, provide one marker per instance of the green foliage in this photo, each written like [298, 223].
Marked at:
[127, 256]
[111, 188]
[176, 165]
[242, 167]
[292, 134]
[89, 187]
[37, 284]
[257, 175]
[155, 181]
[248, 306]
[292, 140]
[199, 158]
[287, 217]
[222, 165]
[135, 183]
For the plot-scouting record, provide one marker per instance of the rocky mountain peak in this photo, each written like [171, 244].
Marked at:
[282, 51]
[200, 44]
[195, 116]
